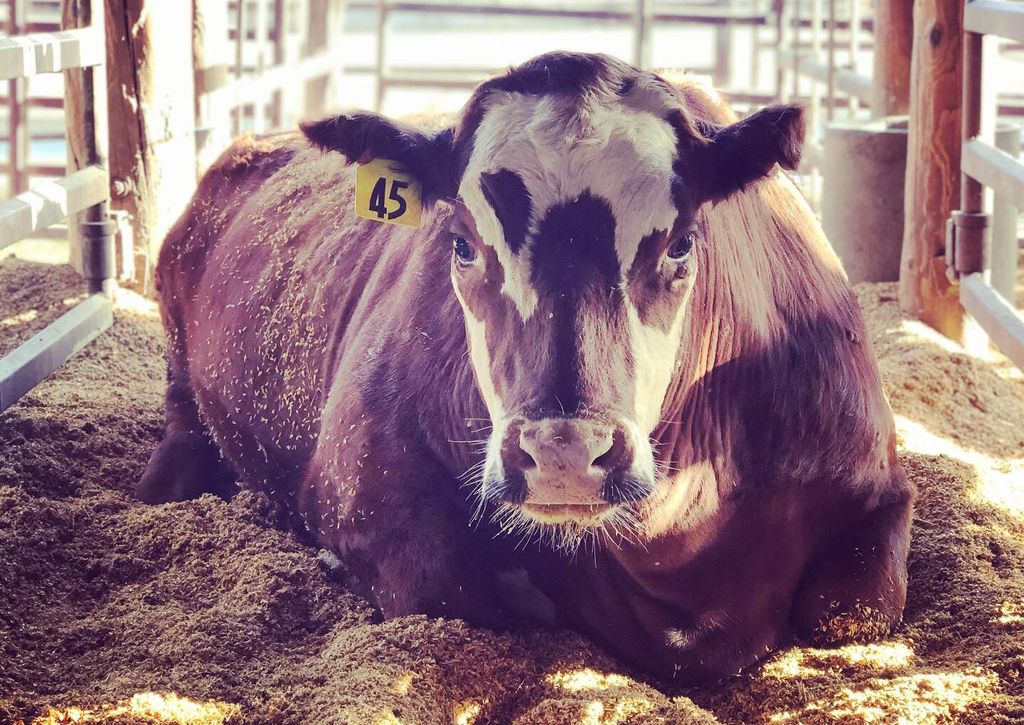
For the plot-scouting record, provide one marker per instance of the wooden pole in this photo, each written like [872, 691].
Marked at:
[151, 88]
[932, 185]
[894, 34]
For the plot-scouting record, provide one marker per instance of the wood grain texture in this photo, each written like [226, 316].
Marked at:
[150, 80]
[932, 185]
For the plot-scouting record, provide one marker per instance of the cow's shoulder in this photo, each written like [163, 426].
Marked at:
[251, 156]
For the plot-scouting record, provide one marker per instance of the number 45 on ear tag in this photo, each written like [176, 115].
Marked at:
[385, 195]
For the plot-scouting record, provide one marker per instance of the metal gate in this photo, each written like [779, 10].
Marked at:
[85, 192]
[968, 246]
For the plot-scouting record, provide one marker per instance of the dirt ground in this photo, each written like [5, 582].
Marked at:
[202, 612]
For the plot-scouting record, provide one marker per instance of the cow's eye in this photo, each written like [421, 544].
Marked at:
[463, 250]
[682, 246]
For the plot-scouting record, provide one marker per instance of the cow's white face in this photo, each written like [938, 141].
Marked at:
[570, 203]
[576, 181]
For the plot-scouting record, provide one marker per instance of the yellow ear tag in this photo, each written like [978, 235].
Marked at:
[385, 195]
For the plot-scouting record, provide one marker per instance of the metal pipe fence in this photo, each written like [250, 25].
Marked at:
[85, 192]
[983, 166]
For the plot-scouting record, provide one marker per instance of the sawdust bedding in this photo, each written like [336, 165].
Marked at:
[203, 612]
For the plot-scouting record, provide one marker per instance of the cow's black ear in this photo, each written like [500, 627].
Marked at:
[361, 137]
[748, 150]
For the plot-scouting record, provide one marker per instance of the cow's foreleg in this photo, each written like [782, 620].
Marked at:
[187, 463]
[856, 585]
[404, 538]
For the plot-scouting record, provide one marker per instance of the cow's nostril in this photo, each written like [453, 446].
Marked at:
[519, 458]
[617, 455]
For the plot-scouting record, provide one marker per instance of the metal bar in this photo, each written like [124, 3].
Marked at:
[45, 170]
[1003, 323]
[30, 55]
[31, 362]
[846, 80]
[814, 109]
[472, 80]
[854, 47]
[259, 119]
[995, 17]
[37, 102]
[642, 18]
[710, 16]
[971, 192]
[831, 92]
[50, 202]
[17, 127]
[781, 38]
[279, 32]
[794, 60]
[381, 54]
[35, 26]
[97, 230]
[236, 111]
[723, 73]
[984, 165]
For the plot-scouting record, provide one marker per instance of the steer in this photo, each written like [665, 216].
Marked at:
[616, 380]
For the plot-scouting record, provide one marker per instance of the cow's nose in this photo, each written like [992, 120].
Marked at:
[571, 461]
[562, 446]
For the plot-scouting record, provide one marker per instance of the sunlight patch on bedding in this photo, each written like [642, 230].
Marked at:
[586, 679]
[625, 710]
[1000, 481]
[807, 662]
[467, 712]
[923, 699]
[155, 706]
[1009, 614]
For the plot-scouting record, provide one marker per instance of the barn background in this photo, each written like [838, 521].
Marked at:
[202, 612]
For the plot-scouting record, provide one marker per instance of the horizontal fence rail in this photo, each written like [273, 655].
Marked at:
[707, 16]
[995, 169]
[995, 17]
[51, 202]
[31, 55]
[995, 314]
[639, 15]
[31, 362]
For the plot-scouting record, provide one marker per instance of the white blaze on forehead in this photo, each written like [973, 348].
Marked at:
[562, 147]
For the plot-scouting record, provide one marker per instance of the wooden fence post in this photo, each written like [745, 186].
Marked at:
[932, 185]
[894, 34]
[152, 115]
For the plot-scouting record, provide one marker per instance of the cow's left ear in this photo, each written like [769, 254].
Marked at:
[748, 150]
[361, 137]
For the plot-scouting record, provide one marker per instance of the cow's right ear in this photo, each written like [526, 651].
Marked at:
[361, 137]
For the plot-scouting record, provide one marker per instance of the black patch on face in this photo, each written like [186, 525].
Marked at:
[576, 272]
[507, 194]
[575, 246]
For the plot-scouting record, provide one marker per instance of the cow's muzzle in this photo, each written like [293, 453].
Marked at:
[570, 469]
